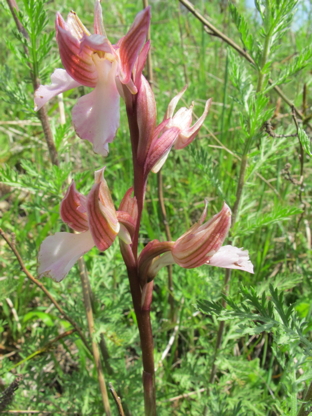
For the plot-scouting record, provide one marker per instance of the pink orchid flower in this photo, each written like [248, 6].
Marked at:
[95, 218]
[91, 60]
[201, 244]
[175, 130]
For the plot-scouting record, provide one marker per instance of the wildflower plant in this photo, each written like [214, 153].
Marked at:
[116, 71]
[110, 75]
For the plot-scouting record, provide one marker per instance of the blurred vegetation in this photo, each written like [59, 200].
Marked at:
[263, 364]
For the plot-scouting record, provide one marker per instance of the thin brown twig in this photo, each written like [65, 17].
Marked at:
[7, 395]
[42, 113]
[95, 348]
[117, 400]
[269, 129]
[239, 158]
[234, 45]
[43, 349]
[43, 288]
[170, 342]
[186, 395]
[301, 157]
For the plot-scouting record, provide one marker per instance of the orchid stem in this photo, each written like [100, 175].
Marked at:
[147, 344]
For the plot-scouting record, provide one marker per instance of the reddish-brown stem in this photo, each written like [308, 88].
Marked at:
[142, 314]
[147, 344]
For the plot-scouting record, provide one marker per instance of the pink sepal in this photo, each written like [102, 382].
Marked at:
[188, 135]
[146, 118]
[77, 62]
[202, 241]
[102, 217]
[96, 115]
[59, 252]
[173, 103]
[73, 209]
[60, 82]
[147, 296]
[98, 19]
[73, 24]
[140, 63]
[182, 118]
[160, 149]
[231, 257]
[131, 44]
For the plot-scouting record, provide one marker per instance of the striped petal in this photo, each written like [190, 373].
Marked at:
[131, 44]
[74, 210]
[160, 149]
[129, 204]
[59, 252]
[102, 217]
[77, 61]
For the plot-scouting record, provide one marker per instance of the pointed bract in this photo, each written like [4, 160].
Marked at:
[149, 261]
[131, 44]
[146, 118]
[129, 204]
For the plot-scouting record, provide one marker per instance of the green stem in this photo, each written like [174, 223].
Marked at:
[264, 58]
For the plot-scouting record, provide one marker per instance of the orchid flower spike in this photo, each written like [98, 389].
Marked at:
[94, 217]
[201, 244]
[175, 130]
[91, 60]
